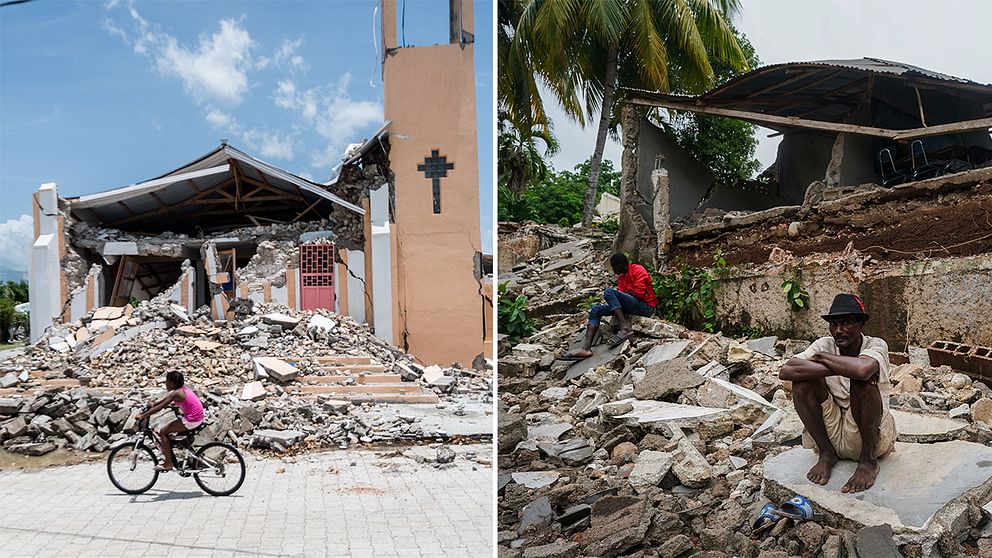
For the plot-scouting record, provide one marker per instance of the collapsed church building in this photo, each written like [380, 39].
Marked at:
[882, 186]
[392, 239]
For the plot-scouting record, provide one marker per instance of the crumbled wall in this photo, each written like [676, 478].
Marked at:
[354, 185]
[270, 262]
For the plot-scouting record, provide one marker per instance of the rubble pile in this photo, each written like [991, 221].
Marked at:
[271, 378]
[658, 447]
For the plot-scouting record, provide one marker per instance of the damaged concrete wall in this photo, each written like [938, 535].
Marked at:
[802, 159]
[689, 179]
[910, 304]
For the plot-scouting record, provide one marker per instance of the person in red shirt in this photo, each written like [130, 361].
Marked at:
[634, 295]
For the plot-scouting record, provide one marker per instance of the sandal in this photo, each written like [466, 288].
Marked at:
[571, 358]
[766, 520]
[798, 508]
[162, 469]
[618, 339]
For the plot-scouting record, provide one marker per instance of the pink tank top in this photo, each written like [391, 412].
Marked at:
[191, 407]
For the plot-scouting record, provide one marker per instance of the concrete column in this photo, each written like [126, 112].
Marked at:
[382, 264]
[356, 285]
[662, 212]
[44, 273]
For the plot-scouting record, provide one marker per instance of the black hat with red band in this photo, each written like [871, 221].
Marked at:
[846, 305]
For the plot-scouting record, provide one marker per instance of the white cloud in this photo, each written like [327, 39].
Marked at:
[217, 69]
[334, 115]
[274, 145]
[220, 120]
[285, 57]
[16, 236]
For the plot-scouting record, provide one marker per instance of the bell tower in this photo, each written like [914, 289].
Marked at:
[434, 230]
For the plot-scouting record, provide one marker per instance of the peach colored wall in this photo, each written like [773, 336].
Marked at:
[430, 99]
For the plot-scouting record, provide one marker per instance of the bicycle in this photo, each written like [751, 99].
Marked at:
[131, 465]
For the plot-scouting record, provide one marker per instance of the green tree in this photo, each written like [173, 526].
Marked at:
[11, 294]
[725, 145]
[558, 197]
[590, 48]
[520, 159]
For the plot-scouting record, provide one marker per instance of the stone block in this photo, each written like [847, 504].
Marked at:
[9, 406]
[277, 369]
[649, 468]
[253, 391]
[511, 429]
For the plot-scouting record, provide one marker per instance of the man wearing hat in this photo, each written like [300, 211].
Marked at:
[840, 386]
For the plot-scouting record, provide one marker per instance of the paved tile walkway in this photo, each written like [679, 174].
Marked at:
[346, 503]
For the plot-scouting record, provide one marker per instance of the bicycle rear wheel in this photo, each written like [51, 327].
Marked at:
[132, 470]
[219, 469]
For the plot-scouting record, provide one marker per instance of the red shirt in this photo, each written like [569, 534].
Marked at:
[638, 283]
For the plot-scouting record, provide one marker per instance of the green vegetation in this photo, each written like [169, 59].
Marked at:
[558, 197]
[610, 225]
[586, 53]
[795, 293]
[11, 294]
[511, 315]
[725, 145]
[687, 295]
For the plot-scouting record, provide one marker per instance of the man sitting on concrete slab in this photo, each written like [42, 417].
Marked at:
[840, 386]
[634, 295]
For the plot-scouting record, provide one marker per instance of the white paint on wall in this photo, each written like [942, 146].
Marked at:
[382, 265]
[355, 275]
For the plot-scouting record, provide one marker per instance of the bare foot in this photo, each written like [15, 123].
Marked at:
[863, 477]
[820, 473]
[578, 354]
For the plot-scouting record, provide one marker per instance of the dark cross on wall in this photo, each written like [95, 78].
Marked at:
[436, 167]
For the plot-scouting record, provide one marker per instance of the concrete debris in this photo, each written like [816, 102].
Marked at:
[326, 383]
[670, 443]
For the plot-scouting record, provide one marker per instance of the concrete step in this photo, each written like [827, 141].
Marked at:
[365, 388]
[418, 398]
[353, 368]
[358, 378]
[338, 360]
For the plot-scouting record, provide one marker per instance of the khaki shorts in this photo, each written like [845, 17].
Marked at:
[845, 436]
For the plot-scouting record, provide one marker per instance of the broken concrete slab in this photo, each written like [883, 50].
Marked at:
[618, 524]
[601, 356]
[743, 393]
[649, 468]
[511, 430]
[536, 479]
[763, 345]
[691, 468]
[253, 391]
[588, 403]
[278, 369]
[663, 352]
[9, 380]
[920, 428]
[529, 350]
[16, 427]
[917, 506]
[34, 449]
[280, 319]
[573, 452]
[652, 412]
[432, 374]
[110, 338]
[207, 345]
[547, 431]
[108, 313]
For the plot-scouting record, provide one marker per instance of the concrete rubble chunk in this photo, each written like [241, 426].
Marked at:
[529, 350]
[649, 468]
[558, 549]
[321, 324]
[763, 345]
[535, 479]
[666, 379]
[9, 380]
[876, 541]
[511, 430]
[918, 507]
[573, 452]
[9, 406]
[921, 428]
[279, 440]
[34, 449]
[664, 352]
[691, 468]
[588, 403]
[618, 524]
[280, 319]
[15, 427]
[536, 514]
[981, 410]
[651, 412]
[277, 369]
[253, 391]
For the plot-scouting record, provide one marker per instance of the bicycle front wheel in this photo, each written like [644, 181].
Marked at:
[219, 469]
[132, 469]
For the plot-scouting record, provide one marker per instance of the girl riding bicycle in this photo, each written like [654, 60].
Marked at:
[188, 403]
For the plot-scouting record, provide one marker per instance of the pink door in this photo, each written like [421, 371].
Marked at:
[317, 276]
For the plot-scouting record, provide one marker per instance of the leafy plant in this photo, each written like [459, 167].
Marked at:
[512, 206]
[796, 295]
[688, 295]
[513, 320]
[589, 302]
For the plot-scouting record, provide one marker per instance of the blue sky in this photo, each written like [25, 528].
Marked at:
[98, 95]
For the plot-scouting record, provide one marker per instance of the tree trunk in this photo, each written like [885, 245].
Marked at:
[605, 114]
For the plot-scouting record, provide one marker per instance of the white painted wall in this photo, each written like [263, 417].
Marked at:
[44, 290]
[382, 264]
[356, 285]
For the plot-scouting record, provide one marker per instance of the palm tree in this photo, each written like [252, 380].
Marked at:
[520, 158]
[589, 48]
